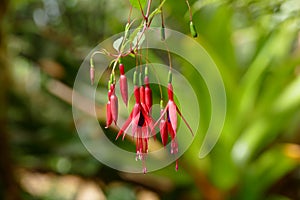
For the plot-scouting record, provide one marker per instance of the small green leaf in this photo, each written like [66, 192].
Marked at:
[117, 44]
[136, 4]
[138, 39]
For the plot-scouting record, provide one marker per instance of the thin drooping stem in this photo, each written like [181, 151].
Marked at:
[148, 8]
[162, 17]
[156, 76]
[92, 57]
[136, 61]
[169, 55]
[141, 8]
[159, 85]
[147, 51]
[143, 26]
[114, 66]
[190, 10]
[140, 60]
[129, 15]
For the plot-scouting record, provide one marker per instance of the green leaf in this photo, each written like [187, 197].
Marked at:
[121, 192]
[138, 39]
[136, 3]
[290, 97]
[117, 44]
[267, 169]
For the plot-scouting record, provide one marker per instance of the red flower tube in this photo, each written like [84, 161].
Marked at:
[114, 104]
[148, 93]
[123, 84]
[108, 111]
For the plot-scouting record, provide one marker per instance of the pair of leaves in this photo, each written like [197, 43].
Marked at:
[138, 39]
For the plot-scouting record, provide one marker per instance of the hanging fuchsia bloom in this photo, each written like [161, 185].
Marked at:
[123, 84]
[141, 124]
[169, 124]
[171, 109]
[113, 104]
[137, 118]
[167, 129]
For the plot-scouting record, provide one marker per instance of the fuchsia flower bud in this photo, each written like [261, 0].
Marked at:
[92, 75]
[108, 114]
[123, 84]
[108, 111]
[148, 93]
[114, 104]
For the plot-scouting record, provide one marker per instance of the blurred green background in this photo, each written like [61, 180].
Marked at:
[256, 45]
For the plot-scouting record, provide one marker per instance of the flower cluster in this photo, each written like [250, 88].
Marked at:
[140, 119]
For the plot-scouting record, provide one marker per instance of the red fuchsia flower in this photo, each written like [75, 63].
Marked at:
[123, 84]
[141, 124]
[167, 129]
[168, 121]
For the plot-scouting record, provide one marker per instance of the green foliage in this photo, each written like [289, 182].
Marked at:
[121, 193]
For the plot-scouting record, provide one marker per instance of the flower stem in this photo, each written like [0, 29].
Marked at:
[142, 11]
[129, 15]
[190, 10]
[148, 8]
